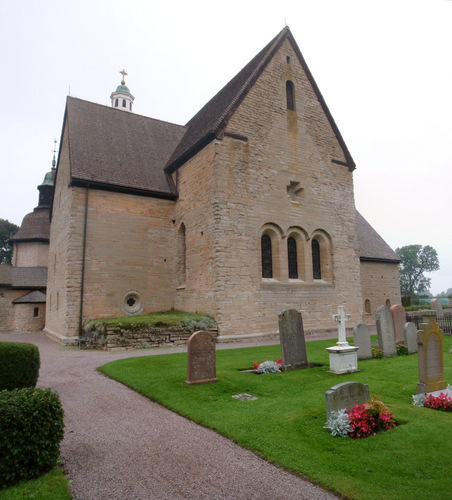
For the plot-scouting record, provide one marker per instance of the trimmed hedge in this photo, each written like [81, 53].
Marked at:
[19, 365]
[31, 429]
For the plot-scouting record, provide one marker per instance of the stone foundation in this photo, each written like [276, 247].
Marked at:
[116, 339]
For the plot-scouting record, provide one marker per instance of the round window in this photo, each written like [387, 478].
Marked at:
[132, 302]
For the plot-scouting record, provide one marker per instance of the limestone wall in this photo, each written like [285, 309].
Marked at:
[380, 286]
[196, 209]
[6, 308]
[129, 254]
[64, 266]
[33, 254]
[281, 149]
[28, 317]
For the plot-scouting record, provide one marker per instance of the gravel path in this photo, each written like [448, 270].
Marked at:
[120, 445]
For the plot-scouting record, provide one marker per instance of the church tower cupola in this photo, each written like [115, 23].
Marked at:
[121, 98]
[47, 186]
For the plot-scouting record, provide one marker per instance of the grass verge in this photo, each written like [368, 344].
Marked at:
[285, 425]
[52, 485]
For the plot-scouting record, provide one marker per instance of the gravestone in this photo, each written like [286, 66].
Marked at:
[293, 345]
[201, 364]
[410, 337]
[345, 395]
[361, 339]
[399, 320]
[385, 331]
[430, 355]
[343, 356]
[436, 306]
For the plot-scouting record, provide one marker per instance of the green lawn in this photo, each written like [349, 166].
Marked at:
[51, 486]
[285, 425]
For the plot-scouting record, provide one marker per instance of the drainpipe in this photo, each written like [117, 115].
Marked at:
[80, 319]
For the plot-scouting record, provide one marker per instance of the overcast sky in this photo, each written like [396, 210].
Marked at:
[384, 68]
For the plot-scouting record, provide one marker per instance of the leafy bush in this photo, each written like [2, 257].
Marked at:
[268, 367]
[339, 423]
[362, 421]
[402, 350]
[377, 353]
[31, 429]
[406, 300]
[19, 365]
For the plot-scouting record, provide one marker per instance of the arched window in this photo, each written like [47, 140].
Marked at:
[290, 95]
[367, 307]
[116, 103]
[36, 312]
[181, 256]
[292, 258]
[316, 264]
[267, 258]
[124, 103]
[388, 303]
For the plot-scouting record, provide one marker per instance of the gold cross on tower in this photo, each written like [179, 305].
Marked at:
[123, 73]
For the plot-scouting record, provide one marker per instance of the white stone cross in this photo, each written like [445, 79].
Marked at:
[341, 318]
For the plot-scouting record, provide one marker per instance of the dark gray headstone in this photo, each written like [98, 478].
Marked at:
[345, 395]
[385, 331]
[361, 339]
[201, 364]
[399, 320]
[410, 337]
[293, 345]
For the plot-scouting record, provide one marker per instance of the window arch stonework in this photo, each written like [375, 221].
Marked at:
[321, 252]
[290, 95]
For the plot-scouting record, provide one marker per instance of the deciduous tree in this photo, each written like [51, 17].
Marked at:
[7, 229]
[415, 261]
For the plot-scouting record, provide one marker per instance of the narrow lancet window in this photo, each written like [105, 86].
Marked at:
[290, 94]
[266, 248]
[292, 258]
[316, 267]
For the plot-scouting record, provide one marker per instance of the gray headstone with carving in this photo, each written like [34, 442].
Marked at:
[346, 395]
[385, 331]
[293, 345]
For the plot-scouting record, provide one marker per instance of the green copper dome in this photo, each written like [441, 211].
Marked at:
[49, 179]
[123, 88]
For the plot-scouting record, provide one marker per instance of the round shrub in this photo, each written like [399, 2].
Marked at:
[19, 365]
[31, 429]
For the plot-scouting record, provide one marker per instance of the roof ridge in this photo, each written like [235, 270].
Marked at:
[263, 61]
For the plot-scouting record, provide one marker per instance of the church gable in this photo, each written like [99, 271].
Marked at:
[210, 122]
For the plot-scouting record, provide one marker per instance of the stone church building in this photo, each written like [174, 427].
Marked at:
[243, 212]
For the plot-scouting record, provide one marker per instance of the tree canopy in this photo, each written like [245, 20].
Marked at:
[7, 229]
[415, 261]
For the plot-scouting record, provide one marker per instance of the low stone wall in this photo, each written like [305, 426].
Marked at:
[116, 339]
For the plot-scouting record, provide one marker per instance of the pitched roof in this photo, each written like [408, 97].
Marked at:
[213, 117]
[35, 226]
[34, 297]
[372, 247]
[23, 277]
[111, 147]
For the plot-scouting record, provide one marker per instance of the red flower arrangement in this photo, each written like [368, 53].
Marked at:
[369, 418]
[441, 402]
[278, 362]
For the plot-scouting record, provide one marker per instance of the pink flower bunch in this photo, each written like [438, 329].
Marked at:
[369, 418]
[256, 365]
[441, 402]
